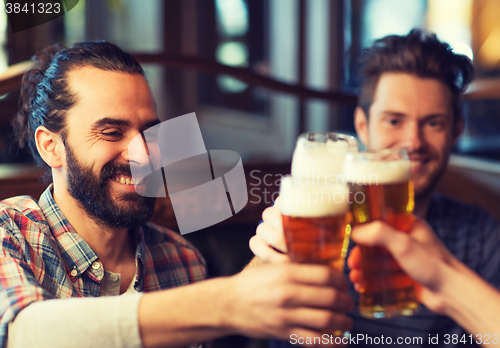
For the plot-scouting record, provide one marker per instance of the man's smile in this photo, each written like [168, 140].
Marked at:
[123, 179]
[418, 164]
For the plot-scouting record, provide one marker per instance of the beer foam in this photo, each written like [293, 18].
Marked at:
[377, 172]
[313, 158]
[315, 164]
[309, 200]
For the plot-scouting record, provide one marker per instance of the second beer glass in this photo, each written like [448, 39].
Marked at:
[316, 219]
[380, 189]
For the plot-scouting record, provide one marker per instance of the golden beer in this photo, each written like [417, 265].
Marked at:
[316, 220]
[387, 195]
[317, 240]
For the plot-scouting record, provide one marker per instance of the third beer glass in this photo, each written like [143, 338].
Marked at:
[320, 156]
[380, 189]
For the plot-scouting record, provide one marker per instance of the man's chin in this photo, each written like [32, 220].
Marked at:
[424, 188]
[132, 202]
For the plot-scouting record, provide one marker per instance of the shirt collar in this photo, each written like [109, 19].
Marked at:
[75, 252]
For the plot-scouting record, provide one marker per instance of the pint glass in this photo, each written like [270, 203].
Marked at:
[316, 219]
[320, 156]
[380, 189]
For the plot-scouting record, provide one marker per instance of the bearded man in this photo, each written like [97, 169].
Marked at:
[87, 239]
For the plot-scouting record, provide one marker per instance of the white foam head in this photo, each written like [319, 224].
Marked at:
[301, 198]
[376, 172]
[312, 158]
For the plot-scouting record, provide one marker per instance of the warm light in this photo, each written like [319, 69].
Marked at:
[488, 34]
[3, 37]
[391, 17]
[462, 48]
[230, 84]
[451, 21]
[232, 17]
[74, 24]
[232, 54]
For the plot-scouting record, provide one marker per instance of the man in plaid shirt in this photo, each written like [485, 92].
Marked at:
[65, 257]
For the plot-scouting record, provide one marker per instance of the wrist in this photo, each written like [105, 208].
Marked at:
[228, 314]
[199, 314]
[451, 281]
[220, 295]
[459, 288]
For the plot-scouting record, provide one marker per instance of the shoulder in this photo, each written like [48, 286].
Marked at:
[469, 232]
[156, 236]
[24, 232]
[173, 260]
[20, 210]
[449, 211]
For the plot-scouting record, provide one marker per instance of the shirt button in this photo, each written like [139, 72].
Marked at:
[74, 273]
[96, 265]
[114, 277]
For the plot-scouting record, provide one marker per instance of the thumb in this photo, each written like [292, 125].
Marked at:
[378, 233]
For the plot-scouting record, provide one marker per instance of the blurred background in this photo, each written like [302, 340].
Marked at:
[307, 43]
[258, 73]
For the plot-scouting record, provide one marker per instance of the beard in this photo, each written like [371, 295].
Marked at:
[129, 210]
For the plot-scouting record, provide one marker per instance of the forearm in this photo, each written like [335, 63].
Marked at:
[170, 318]
[472, 303]
[179, 317]
[106, 322]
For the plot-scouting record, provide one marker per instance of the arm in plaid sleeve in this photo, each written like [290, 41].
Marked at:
[19, 285]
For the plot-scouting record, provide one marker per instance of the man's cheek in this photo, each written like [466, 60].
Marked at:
[382, 139]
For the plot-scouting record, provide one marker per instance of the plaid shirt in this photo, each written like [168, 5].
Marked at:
[44, 258]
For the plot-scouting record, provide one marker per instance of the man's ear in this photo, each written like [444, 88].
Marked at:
[361, 125]
[50, 147]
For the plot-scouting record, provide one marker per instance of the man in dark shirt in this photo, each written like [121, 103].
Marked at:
[410, 98]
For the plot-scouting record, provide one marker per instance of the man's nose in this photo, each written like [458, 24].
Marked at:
[413, 137]
[137, 152]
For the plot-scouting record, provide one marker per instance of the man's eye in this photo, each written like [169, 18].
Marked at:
[435, 124]
[111, 135]
[394, 122]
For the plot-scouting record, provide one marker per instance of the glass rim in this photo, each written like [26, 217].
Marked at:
[380, 152]
[304, 180]
[352, 140]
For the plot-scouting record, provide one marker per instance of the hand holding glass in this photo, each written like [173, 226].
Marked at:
[380, 189]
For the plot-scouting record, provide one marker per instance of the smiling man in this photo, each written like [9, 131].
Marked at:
[410, 97]
[67, 256]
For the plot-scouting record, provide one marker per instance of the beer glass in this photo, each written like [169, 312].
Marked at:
[321, 155]
[316, 219]
[380, 189]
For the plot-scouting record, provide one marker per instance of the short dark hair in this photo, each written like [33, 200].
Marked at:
[45, 95]
[418, 53]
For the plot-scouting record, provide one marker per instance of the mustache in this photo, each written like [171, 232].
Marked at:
[111, 169]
